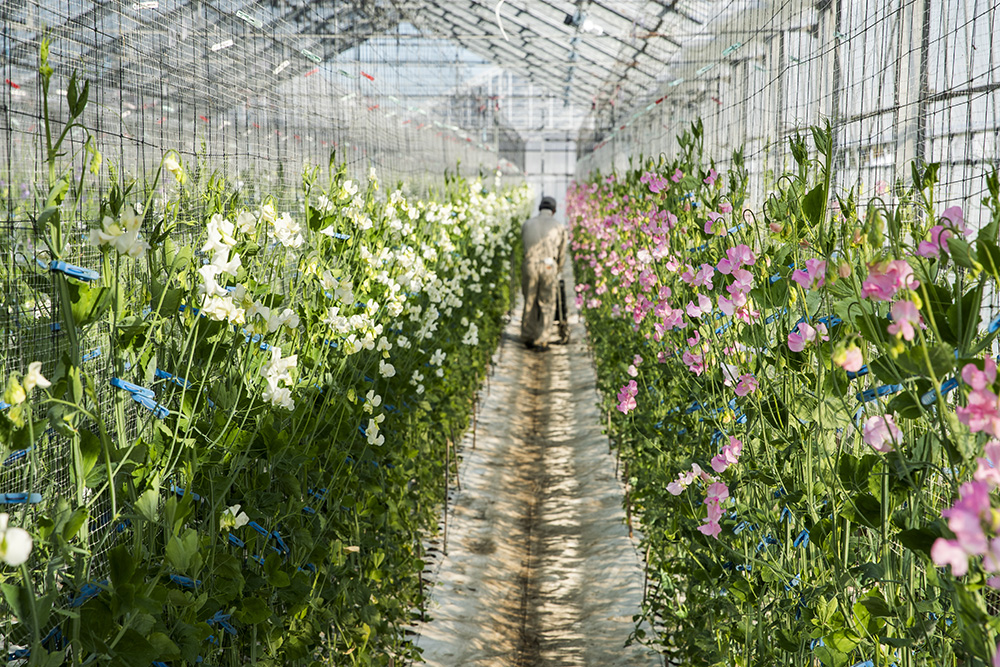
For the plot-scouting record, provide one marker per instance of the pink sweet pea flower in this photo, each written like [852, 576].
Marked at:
[937, 244]
[712, 176]
[677, 176]
[716, 222]
[632, 370]
[904, 315]
[980, 379]
[636, 360]
[814, 275]
[626, 397]
[948, 552]
[888, 277]
[716, 493]
[981, 412]
[747, 385]
[695, 362]
[730, 454]
[711, 526]
[725, 207]
[956, 219]
[850, 359]
[881, 432]
[806, 334]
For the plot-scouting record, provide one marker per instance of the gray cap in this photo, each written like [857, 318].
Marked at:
[548, 203]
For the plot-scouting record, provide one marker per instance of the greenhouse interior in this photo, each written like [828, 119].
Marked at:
[488, 333]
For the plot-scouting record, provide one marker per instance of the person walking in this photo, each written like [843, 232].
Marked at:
[544, 239]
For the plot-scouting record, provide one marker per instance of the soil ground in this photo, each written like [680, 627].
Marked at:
[539, 569]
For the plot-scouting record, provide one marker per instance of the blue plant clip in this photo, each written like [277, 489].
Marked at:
[93, 354]
[20, 498]
[179, 381]
[947, 386]
[796, 580]
[775, 278]
[132, 388]
[259, 528]
[869, 395]
[342, 237]
[785, 514]
[994, 325]
[858, 373]
[694, 407]
[158, 410]
[308, 510]
[74, 271]
[281, 543]
[802, 539]
[87, 591]
[186, 582]
[866, 663]
[816, 642]
[16, 456]
[180, 492]
[222, 619]
[236, 542]
[4, 406]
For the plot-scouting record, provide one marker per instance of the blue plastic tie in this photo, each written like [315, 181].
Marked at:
[73, 271]
[260, 529]
[858, 373]
[186, 582]
[342, 237]
[930, 397]
[16, 456]
[994, 325]
[20, 498]
[802, 539]
[869, 395]
[179, 381]
[236, 542]
[180, 492]
[159, 411]
[132, 388]
[93, 354]
[87, 591]
[796, 580]
[4, 406]
[785, 514]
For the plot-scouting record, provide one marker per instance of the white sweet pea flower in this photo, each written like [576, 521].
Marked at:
[279, 397]
[15, 543]
[383, 345]
[34, 378]
[234, 518]
[287, 231]
[123, 237]
[267, 212]
[386, 370]
[223, 308]
[403, 342]
[173, 165]
[220, 235]
[246, 222]
[438, 357]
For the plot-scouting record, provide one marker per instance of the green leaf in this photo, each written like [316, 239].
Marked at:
[134, 650]
[121, 564]
[148, 503]
[940, 356]
[182, 550]
[254, 610]
[812, 204]
[989, 256]
[74, 523]
[919, 540]
[90, 451]
[961, 252]
[88, 303]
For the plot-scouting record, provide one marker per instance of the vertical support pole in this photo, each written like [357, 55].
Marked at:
[911, 85]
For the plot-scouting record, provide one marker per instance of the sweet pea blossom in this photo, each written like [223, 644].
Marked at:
[814, 275]
[729, 455]
[806, 334]
[34, 378]
[735, 258]
[704, 306]
[626, 397]
[713, 175]
[122, 236]
[677, 176]
[747, 385]
[15, 543]
[849, 358]
[888, 277]
[881, 432]
[287, 232]
[904, 316]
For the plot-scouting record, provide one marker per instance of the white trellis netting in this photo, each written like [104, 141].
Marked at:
[900, 80]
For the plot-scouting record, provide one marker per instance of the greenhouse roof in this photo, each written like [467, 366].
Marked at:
[590, 52]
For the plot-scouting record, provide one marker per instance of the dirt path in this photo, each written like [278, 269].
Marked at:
[539, 570]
